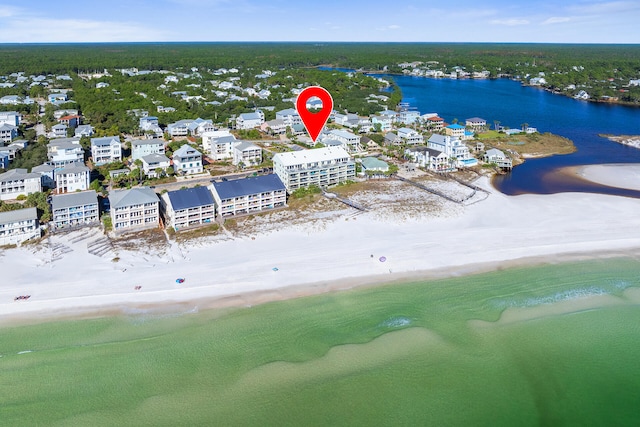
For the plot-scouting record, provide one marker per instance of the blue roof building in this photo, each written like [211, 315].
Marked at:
[188, 207]
[249, 195]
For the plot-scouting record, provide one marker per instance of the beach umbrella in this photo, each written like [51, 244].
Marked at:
[383, 259]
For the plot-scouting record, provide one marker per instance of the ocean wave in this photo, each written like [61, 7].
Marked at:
[568, 295]
[139, 316]
[396, 322]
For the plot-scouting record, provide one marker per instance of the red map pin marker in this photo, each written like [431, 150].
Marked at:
[314, 121]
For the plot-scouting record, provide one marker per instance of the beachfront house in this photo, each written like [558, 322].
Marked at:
[19, 226]
[106, 150]
[249, 195]
[75, 209]
[144, 147]
[493, 155]
[134, 209]
[430, 158]
[372, 166]
[320, 166]
[408, 117]
[435, 123]
[188, 208]
[476, 123]
[72, 177]
[455, 130]
[187, 160]
[16, 182]
[453, 148]
[154, 163]
[64, 150]
[247, 154]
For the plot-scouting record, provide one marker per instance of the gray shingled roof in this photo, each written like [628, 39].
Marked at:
[134, 196]
[62, 201]
[18, 215]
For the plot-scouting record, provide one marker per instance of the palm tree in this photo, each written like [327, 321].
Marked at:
[524, 127]
[496, 124]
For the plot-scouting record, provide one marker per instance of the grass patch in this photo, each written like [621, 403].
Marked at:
[195, 233]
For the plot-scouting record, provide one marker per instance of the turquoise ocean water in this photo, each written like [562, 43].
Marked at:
[546, 345]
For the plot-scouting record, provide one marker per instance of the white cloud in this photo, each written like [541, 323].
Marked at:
[34, 30]
[556, 20]
[509, 22]
[8, 11]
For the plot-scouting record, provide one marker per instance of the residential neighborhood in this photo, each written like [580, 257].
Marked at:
[142, 178]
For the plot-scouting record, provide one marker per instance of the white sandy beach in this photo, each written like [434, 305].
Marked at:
[334, 253]
[614, 175]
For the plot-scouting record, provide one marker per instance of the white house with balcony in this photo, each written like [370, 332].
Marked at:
[187, 160]
[476, 123]
[16, 182]
[72, 177]
[219, 144]
[19, 226]
[350, 141]
[151, 163]
[249, 195]
[63, 151]
[431, 159]
[274, 127]
[385, 123]
[410, 136]
[408, 117]
[134, 209]
[250, 120]
[319, 166]
[84, 130]
[106, 150]
[493, 155]
[10, 117]
[246, 153]
[453, 148]
[75, 209]
[8, 132]
[289, 116]
[144, 147]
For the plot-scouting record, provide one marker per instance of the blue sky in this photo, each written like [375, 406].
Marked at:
[569, 21]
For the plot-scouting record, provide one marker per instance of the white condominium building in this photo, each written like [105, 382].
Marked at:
[137, 208]
[18, 226]
[320, 166]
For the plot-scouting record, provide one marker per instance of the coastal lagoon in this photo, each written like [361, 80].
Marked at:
[543, 345]
[513, 104]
